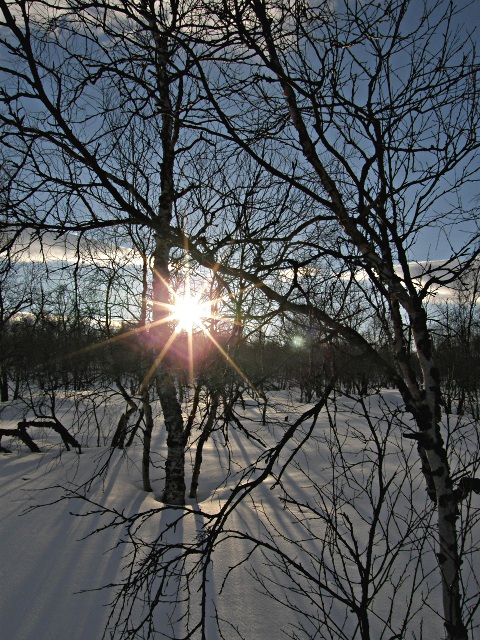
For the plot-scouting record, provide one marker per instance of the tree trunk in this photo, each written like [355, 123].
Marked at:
[24, 436]
[207, 430]
[3, 386]
[426, 408]
[161, 331]
[147, 440]
[174, 491]
[16, 392]
[56, 425]
[118, 440]
[193, 410]
[448, 556]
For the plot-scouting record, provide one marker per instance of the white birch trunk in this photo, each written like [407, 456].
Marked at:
[428, 415]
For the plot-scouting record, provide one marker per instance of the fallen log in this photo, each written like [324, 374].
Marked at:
[57, 426]
[22, 435]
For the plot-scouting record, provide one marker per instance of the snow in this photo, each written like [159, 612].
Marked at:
[52, 568]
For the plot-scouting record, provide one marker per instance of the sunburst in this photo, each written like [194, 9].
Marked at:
[189, 312]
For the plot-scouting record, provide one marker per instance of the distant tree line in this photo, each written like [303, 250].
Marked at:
[59, 352]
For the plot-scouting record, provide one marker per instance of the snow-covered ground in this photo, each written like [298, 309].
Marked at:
[362, 509]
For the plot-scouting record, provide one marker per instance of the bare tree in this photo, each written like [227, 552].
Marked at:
[340, 136]
[371, 111]
[102, 150]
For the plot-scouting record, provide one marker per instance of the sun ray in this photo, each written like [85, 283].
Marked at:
[189, 314]
[157, 362]
[232, 363]
[112, 339]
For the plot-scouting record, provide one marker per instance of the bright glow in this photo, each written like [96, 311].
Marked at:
[189, 313]
[298, 342]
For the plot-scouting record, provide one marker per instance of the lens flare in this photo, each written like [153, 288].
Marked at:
[189, 312]
[185, 314]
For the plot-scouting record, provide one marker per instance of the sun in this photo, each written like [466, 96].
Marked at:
[189, 312]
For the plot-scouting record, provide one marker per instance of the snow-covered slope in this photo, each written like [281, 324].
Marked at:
[50, 563]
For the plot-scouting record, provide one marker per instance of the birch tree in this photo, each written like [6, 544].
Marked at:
[92, 107]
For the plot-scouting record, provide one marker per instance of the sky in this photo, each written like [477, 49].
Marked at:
[434, 244]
